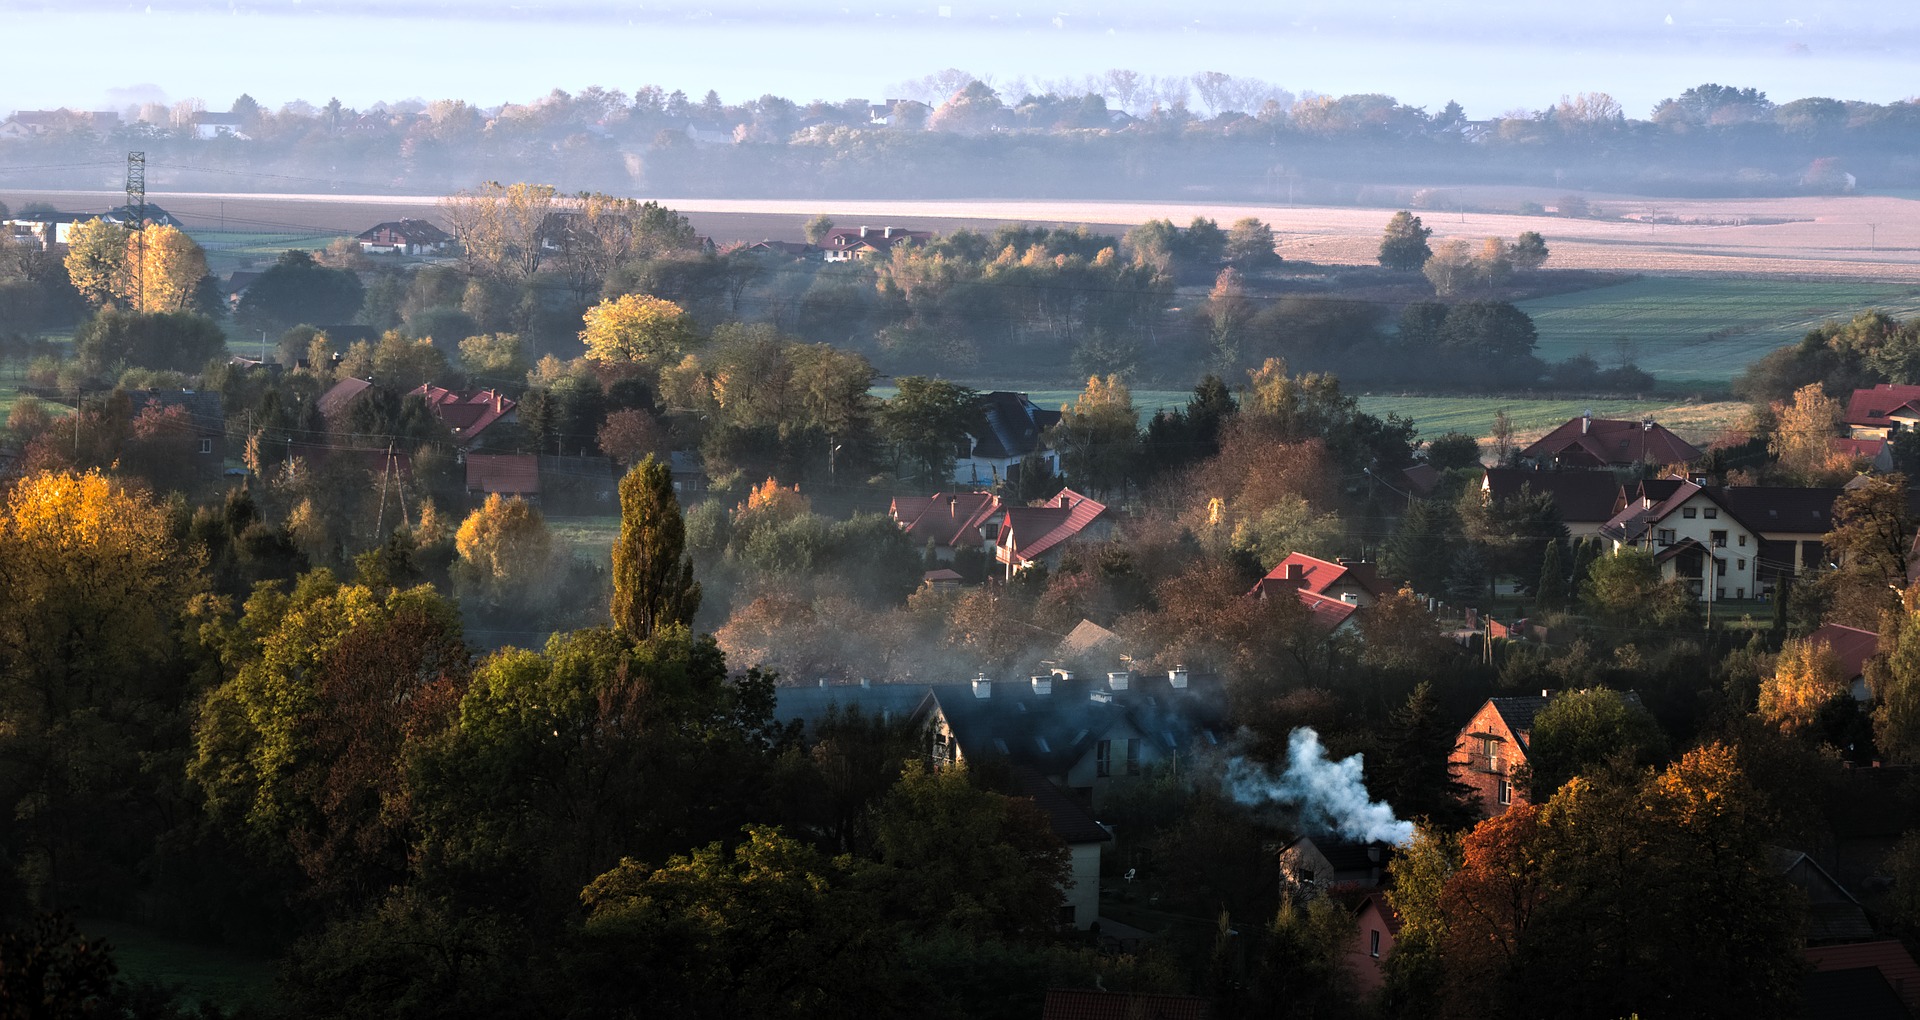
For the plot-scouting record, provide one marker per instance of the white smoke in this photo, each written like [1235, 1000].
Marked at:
[1328, 796]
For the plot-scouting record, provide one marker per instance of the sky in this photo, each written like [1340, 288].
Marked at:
[1492, 56]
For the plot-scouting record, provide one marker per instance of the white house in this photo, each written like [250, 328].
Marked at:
[1693, 537]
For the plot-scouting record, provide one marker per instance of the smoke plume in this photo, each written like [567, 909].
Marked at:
[1327, 796]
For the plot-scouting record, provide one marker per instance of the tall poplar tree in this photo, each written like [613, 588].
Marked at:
[653, 585]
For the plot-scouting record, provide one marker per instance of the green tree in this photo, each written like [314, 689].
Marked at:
[1581, 730]
[175, 341]
[1413, 773]
[818, 228]
[1422, 546]
[1551, 591]
[926, 422]
[1625, 590]
[1871, 539]
[1894, 677]
[1098, 435]
[1250, 245]
[1404, 244]
[295, 290]
[653, 585]
[1528, 251]
[1453, 450]
[1449, 267]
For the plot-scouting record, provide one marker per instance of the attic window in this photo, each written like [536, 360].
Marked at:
[1000, 745]
[1042, 741]
[1078, 737]
[1713, 511]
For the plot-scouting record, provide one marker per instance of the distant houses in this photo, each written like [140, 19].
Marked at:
[403, 236]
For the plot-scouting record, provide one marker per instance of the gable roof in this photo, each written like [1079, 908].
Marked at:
[1888, 956]
[883, 701]
[1085, 640]
[1347, 854]
[1066, 816]
[947, 519]
[1318, 576]
[339, 395]
[1870, 408]
[1583, 497]
[1052, 731]
[407, 230]
[1328, 612]
[204, 408]
[1637, 518]
[1600, 442]
[1007, 425]
[1030, 532]
[1519, 713]
[506, 474]
[468, 415]
[1851, 647]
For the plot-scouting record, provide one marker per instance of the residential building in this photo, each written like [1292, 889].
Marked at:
[46, 231]
[1376, 929]
[1586, 499]
[403, 237]
[1693, 538]
[846, 244]
[1876, 453]
[512, 474]
[468, 415]
[1491, 746]
[1312, 866]
[1590, 443]
[202, 413]
[1006, 428]
[207, 126]
[1350, 581]
[1042, 534]
[946, 521]
[1851, 647]
[1879, 411]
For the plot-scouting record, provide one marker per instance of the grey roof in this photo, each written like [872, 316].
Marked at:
[1068, 818]
[1009, 425]
[1052, 731]
[810, 704]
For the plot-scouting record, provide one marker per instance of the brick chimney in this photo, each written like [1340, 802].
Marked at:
[863, 230]
[1296, 574]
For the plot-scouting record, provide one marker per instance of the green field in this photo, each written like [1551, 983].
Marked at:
[1700, 332]
[202, 973]
[231, 250]
[1474, 415]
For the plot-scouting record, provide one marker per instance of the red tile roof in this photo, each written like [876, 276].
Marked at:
[1851, 646]
[510, 474]
[1889, 957]
[1582, 496]
[1328, 612]
[339, 395]
[1869, 408]
[1029, 532]
[468, 415]
[1077, 1004]
[1598, 442]
[947, 519]
[1319, 576]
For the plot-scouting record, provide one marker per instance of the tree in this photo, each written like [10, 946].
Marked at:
[1805, 680]
[1450, 267]
[926, 422]
[1098, 435]
[1581, 730]
[629, 436]
[653, 585]
[176, 341]
[501, 228]
[1551, 591]
[1413, 772]
[1227, 310]
[505, 547]
[1404, 244]
[1528, 251]
[1625, 589]
[1451, 450]
[1870, 542]
[1894, 677]
[818, 228]
[1801, 440]
[638, 328]
[1422, 546]
[495, 356]
[97, 262]
[171, 268]
[296, 290]
[1250, 245]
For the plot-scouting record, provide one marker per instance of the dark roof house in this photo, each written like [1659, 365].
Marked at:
[1589, 442]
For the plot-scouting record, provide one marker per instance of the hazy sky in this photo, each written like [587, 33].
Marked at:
[1491, 56]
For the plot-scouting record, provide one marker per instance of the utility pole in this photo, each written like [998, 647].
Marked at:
[137, 210]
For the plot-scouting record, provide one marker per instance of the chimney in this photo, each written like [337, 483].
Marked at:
[1646, 424]
[953, 509]
[1586, 422]
[1043, 685]
[982, 687]
[1177, 676]
[1118, 680]
[888, 232]
[863, 230]
[1296, 572]
[1065, 676]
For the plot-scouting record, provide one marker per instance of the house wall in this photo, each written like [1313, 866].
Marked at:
[1085, 773]
[1368, 968]
[1741, 552]
[1473, 768]
[1303, 865]
[1083, 890]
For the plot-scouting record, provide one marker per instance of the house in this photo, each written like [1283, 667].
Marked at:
[403, 237]
[1376, 928]
[1592, 443]
[1833, 915]
[946, 521]
[1082, 1004]
[237, 283]
[33, 123]
[150, 215]
[208, 126]
[1851, 648]
[794, 249]
[689, 475]
[1088, 642]
[512, 474]
[333, 404]
[468, 415]
[1877, 453]
[1586, 499]
[1355, 583]
[1693, 537]
[946, 579]
[846, 244]
[1880, 411]
[46, 231]
[1311, 866]
[1006, 428]
[1041, 534]
[1491, 746]
[1083, 735]
[203, 415]
[1886, 957]
[1085, 838]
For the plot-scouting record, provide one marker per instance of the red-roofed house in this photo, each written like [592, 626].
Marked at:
[1041, 534]
[1878, 412]
[1589, 442]
[945, 520]
[1888, 957]
[1851, 648]
[1878, 453]
[1377, 925]
[1357, 584]
[845, 244]
[468, 416]
[404, 237]
[513, 474]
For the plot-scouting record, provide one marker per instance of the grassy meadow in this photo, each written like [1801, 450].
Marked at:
[1700, 332]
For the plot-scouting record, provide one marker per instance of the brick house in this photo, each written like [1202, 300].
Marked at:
[1491, 746]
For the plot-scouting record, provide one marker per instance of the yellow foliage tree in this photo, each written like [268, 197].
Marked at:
[1800, 440]
[1805, 678]
[171, 266]
[97, 261]
[505, 544]
[638, 328]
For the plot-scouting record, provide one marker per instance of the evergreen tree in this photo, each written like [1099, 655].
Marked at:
[1414, 775]
[1467, 577]
[1419, 548]
[1551, 592]
[653, 585]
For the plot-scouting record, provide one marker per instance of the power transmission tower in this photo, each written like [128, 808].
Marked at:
[137, 210]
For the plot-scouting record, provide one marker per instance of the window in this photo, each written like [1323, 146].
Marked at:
[1720, 593]
[1713, 512]
[1720, 567]
[1739, 564]
[1133, 757]
[1306, 875]
[1103, 758]
[1373, 944]
[1505, 792]
[1665, 536]
[1687, 512]
[1743, 541]
[1739, 593]
[206, 446]
[1489, 753]
[1719, 539]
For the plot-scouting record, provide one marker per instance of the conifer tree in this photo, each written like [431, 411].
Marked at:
[653, 585]
[1551, 593]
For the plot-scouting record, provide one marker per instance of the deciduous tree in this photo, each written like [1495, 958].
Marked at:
[1404, 244]
[638, 328]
